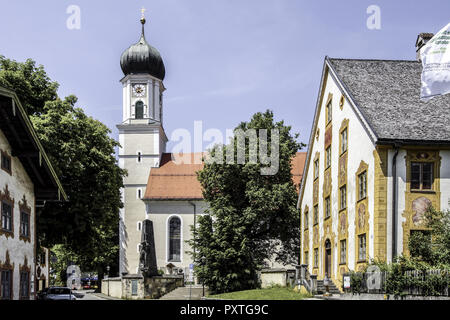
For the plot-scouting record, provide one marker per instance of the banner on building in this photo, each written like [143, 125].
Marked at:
[435, 56]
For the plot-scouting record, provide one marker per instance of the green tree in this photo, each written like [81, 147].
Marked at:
[82, 154]
[252, 217]
[432, 246]
[31, 83]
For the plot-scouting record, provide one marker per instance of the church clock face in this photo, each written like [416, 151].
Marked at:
[139, 90]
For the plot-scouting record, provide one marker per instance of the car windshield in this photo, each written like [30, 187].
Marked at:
[59, 291]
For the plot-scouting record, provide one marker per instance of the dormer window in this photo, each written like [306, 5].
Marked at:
[139, 110]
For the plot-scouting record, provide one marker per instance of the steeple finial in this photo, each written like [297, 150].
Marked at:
[143, 23]
[143, 15]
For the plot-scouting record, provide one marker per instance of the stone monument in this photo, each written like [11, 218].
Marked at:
[147, 254]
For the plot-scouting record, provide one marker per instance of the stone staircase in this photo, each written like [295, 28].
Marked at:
[185, 293]
[332, 287]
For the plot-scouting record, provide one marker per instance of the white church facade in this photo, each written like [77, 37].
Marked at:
[156, 187]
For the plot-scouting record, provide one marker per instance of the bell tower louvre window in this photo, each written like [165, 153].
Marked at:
[139, 110]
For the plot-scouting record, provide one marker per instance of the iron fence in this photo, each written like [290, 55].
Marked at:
[414, 282]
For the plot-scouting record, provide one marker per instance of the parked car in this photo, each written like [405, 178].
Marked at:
[59, 293]
[41, 294]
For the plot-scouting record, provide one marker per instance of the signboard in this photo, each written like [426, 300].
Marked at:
[346, 282]
[134, 287]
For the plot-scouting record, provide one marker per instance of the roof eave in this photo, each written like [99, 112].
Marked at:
[172, 199]
[410, 142]
[43, 158]
[311, 135]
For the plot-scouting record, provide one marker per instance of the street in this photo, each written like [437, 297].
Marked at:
[86, 295]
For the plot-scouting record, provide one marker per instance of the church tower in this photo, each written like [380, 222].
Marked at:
[142, 139]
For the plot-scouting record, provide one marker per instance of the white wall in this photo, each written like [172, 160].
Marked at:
[160, 212]
[19, 184]
[360, 148]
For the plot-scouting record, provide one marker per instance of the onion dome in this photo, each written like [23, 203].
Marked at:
[142, 58]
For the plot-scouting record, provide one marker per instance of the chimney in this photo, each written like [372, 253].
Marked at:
[422, 39]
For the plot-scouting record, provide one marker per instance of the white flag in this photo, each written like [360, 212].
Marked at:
[436, 65]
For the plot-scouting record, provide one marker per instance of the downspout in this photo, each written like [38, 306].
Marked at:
[195, 224]
[394, 203]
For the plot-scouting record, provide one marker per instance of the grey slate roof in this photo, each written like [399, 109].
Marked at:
[387, 92]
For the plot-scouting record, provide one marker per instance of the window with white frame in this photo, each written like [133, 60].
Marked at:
[344, 140]
[327, 207]
[174, 239]
[306, 222]
[343, 252]
[316, 258]
[362, 247]
[343, 197]
[328, 157]
[316, 214]
[362, 185]
[421, 175]
[329, 112]
[316, 169]
[7, 216]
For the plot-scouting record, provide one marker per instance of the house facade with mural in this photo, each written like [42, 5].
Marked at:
[27, 181]
[377, 158]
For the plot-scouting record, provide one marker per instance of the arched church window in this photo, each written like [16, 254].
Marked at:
[139, 110]
[175, 239]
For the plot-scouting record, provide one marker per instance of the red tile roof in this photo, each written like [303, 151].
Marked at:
[172, 181]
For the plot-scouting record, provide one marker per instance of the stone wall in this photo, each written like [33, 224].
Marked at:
[156, 287]
[280, 277]
[133, 286]
[112, 287]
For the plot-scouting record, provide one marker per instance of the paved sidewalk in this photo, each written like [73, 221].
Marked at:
[102, 296]
[185, 293]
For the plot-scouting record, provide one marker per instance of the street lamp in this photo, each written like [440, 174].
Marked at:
[107, 276]
[203, 262]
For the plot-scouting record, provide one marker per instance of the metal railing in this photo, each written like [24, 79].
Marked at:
[432, 282]
[304, 278]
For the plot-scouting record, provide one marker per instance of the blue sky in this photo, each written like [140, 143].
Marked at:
[225, 59]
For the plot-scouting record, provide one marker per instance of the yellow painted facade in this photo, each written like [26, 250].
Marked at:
[417, 201]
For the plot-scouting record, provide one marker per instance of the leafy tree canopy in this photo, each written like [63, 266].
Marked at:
[252, 217]
[31, 83]
[82, 154]
[432, 246]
